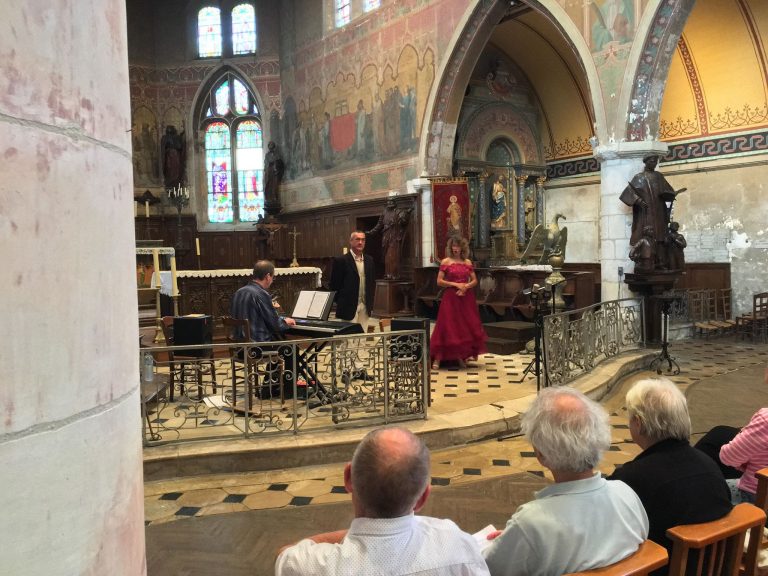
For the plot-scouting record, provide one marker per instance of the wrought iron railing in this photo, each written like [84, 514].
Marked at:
[241, 390]
[577, 340]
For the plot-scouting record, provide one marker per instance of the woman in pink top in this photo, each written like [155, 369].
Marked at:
[748, 451]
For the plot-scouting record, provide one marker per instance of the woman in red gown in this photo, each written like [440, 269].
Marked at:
[458, 335]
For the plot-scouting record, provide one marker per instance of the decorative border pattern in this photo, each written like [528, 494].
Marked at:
[567, 148]
[714, 147]
[653, 66]
[693, 79]
[755, 142]
[572, 168]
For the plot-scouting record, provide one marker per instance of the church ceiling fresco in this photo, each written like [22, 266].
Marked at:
[560, 89]
[718, 87]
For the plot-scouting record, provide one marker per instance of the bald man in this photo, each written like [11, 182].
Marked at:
[389, 481]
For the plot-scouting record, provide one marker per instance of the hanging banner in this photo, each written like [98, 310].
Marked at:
[451, 213]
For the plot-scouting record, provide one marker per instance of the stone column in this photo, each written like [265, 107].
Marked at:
[618, 164]
[70, 431]
[424, 188]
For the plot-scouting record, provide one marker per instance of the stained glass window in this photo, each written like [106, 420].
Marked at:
[222, 99]
[217, 161]
[209, 32]
[243, 29]
[241, 97]
[371, 5]
[234, 152]
[250, 171]
[342, 12]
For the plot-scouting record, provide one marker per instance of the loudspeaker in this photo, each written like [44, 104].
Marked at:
[193, 330]
[410, 323]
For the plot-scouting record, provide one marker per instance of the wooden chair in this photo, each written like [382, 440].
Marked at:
[718, 545]
[699, 309]
[649, 557]
[711, 308]
[179, 363]
[761, 501]
[726, 308]
[239, 332]
[755, 325]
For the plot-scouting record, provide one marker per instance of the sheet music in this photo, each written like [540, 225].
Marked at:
[316, 308]
[303, 303]
[313, 304]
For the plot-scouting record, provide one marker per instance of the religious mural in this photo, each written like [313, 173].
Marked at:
[145, 141]
[612, 21]
[355, 122]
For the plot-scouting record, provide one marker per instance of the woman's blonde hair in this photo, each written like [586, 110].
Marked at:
[463, 243]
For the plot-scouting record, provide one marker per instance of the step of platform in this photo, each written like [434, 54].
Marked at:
[503, 346]
[508, 337]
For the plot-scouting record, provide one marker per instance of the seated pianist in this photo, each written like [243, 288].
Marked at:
[253, 302]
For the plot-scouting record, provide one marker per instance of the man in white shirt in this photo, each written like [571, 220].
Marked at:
[582, 521]
[389, 481]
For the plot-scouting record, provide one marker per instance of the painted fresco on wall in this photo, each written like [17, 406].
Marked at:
[146, 167]
[612, 21]
[357, 121]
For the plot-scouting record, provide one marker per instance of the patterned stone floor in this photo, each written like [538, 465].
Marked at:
[722, 365]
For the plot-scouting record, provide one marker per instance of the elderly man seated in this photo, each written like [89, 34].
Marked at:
[582, 521]
[389, 481]
[676, 483]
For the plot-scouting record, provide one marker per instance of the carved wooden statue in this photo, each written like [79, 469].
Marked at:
[393, 224]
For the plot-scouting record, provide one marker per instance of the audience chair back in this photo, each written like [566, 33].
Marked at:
[649, 557]
[181, 365]
[715, 548]
[245, 366]
[761, 496]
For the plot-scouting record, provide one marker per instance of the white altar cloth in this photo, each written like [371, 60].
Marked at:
[165, 276]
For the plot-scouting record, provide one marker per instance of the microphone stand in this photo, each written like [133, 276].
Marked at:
[538, 297]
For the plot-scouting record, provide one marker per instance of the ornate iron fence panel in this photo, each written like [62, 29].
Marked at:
[679, 310]
[241, 390]
[576, 341]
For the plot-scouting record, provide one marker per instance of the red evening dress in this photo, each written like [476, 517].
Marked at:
[458, 333]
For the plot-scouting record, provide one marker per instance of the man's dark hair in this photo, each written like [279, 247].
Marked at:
[390, 471]
[262, 268]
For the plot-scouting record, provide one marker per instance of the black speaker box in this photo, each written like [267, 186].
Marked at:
[410, 323]
[193, 330]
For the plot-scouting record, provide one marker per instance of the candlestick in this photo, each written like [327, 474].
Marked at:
[146, 208]
[135, 209]
[156, 272]
[174, 284]
[197, 246]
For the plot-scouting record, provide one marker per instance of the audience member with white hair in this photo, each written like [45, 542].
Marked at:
[676, 483]
[582, 521]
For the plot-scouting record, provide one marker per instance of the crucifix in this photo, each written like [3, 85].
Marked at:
[294, 263]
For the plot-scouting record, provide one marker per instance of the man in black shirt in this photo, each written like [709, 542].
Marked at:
[676, 483]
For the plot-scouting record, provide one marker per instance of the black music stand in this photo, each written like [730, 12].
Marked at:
[656, 363]
[538, 298]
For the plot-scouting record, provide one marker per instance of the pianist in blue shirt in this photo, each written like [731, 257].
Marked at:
[254, 303]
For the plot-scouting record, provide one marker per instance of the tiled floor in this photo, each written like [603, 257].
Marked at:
[723, 365]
